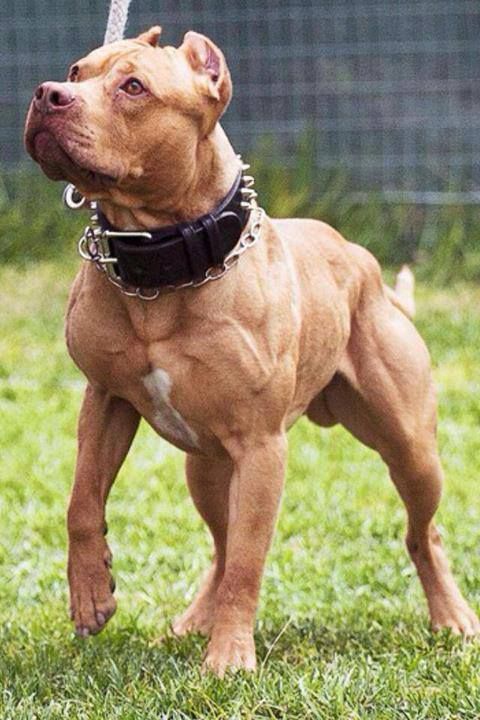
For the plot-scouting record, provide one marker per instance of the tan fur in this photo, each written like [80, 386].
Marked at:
[302, 325]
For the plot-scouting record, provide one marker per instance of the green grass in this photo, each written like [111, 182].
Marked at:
[342, 629]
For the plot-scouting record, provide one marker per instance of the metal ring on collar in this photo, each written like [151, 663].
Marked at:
[72, 198]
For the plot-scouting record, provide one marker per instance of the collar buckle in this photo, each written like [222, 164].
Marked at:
[106, 260]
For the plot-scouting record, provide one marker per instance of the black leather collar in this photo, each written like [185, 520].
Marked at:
[178, 254]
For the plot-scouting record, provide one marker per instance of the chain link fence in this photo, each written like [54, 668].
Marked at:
[388, 89]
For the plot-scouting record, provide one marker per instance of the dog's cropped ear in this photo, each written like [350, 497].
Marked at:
[151, 36]
[207, 60]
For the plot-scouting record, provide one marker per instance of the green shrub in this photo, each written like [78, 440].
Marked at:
[443, 241]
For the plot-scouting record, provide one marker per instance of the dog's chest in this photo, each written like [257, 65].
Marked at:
[149, 387]
[165, 417]
[135, 358]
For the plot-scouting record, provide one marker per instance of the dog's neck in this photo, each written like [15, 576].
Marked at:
[213, 173]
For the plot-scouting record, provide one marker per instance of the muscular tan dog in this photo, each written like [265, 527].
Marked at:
[302, 324]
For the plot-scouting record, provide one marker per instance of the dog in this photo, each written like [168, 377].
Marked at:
[296, 322]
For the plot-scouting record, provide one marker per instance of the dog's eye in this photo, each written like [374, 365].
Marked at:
[133, 87]
[73, 73]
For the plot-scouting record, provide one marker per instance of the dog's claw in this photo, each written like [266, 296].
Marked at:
[91, 624]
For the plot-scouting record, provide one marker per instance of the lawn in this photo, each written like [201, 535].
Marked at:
[342, 629]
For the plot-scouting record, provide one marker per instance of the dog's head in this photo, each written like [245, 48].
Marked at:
[130, 117]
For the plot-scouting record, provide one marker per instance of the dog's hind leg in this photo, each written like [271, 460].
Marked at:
[209, 484]
[385, 397]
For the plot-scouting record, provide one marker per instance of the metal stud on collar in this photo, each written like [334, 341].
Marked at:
[94, 247]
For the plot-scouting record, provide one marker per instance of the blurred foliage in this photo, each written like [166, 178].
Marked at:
[34, 224]
[443, 241]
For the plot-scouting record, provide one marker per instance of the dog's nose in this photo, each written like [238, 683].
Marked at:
[52, 96]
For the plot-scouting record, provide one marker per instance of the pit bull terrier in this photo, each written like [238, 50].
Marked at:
[298, 324]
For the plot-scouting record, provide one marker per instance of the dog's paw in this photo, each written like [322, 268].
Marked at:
[230, 653]
[457, 616]
[91, 592]
[198, 618]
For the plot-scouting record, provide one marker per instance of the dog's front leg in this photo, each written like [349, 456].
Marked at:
[106, 429]
[255, 492]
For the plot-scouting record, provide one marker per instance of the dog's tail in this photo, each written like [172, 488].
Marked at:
[402, 296]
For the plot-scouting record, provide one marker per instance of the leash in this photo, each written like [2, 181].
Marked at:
[117, 21]
[116, 24]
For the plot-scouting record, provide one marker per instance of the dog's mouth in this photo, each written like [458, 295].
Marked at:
[60, 163]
